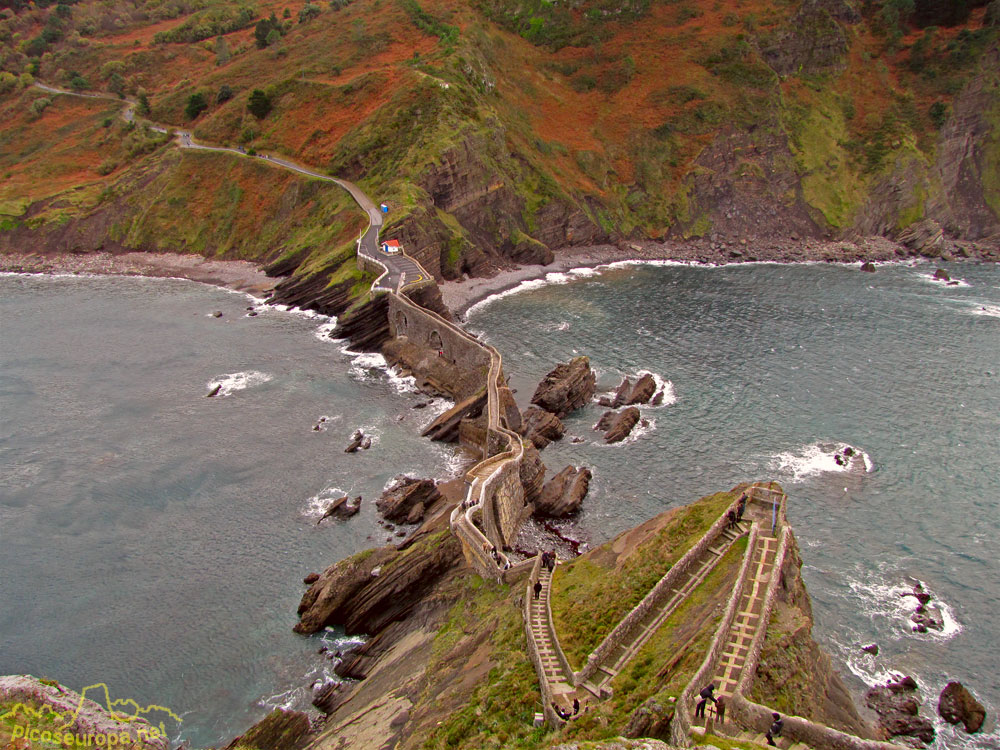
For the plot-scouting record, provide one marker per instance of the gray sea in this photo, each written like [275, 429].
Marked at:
[154, 539]
[767, 372]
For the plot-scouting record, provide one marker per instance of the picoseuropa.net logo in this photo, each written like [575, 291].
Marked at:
[27, 724]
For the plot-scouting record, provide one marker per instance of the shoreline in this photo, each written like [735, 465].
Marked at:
[236, 275]
[460, 296]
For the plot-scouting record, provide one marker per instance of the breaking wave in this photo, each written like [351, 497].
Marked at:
[820, 458]
[237, 381]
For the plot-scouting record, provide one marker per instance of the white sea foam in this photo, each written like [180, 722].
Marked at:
[819, 458]
[990, 311]
[882, 599]
[929, 277]
[562, 325]
[664, 386]
[317, 505]
[324, 331]
[237, 381]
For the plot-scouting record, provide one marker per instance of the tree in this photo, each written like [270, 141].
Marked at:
[224, 95]
[287, 13]
[265, 30]
[308, 12]
[143, 107]
[259, 104]
[196, 104]
[221, 51]
[938, 114]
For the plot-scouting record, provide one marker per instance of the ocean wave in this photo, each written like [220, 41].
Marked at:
[323, 332]
[884, 600]
[820, 458]
[237, 381]
[562, 325]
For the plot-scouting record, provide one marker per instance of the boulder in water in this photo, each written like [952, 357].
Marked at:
[541, 427]
[642, 391]
[898, 707]
[563, 494]
[621, 425]
[871, 649]
[957, 705]
[567, 387]
[214, 392]
[406, 499]
[942, 275]
[868, 267]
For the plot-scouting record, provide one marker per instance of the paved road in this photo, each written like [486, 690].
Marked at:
[402, 271]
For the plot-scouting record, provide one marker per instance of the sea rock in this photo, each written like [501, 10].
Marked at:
[407, 498]
[445, 427]
[341, 508]
[356, 440]
[868, 267]
[214, 392]
[541, 427]
[567, 387]
[942, 275]
[217, 314]
[621, 425]
[925, 619]
[279, 730]
[956, 704]
[606, 420]
[330, 695]
[310, 579]
[348, 593]
[897, 705]
[642, 391]
[657, 399]
[366, 442]
[871, 649]
[621, 393]
[563, 494]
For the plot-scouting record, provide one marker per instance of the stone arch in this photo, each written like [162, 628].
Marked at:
[435, 342]
[401, 323]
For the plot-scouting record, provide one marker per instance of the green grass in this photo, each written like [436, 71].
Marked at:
[589, 597]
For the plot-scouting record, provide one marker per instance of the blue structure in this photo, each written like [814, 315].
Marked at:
[385, 208]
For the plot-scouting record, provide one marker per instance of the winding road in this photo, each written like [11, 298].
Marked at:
[403, 271]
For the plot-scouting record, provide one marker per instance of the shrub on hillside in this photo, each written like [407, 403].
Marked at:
[259, 104]
[224, 95]
[207, 24]
[196, 104]
[265, 29]
[308, 12]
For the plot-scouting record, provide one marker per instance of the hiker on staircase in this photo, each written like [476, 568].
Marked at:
[706, 696]
[775, 730]
[731, 515]
[741, 507]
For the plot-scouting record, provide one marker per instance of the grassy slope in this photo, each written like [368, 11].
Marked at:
[613, 110]
[592, 593]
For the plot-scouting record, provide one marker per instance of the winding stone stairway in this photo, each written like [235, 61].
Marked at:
[610, 667]
[540, 623]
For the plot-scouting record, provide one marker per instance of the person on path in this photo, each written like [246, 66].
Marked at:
[552, 560]
[741, 507]
[720, 709]
[576, 706]
[706, 696]
[538, 588]
[731, 515]
[775, 730]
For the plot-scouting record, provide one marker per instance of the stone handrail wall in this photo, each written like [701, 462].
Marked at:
[560, 655]
[680, 725]
[816, 736]
[472, 545]
[534, 653]
[653, 598]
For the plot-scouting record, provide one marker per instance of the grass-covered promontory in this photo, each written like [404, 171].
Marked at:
[591, 594]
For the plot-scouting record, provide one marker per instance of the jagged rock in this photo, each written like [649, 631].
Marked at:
[956, 704]
[651, 719]
[328, 599]
[214, 392]
[217, 314]
[925, 237]
[621, 393]
[606, 420]
[366, 442]
[642, 391]
[349, 594]
[871, 649]
[355, 444]
[567, 387]
[621, 425]
[532, 473]
[407, 498]
[330, 695]
[310, 579]
[897, 705]
[868, 267]
[541, 427]
[279, 730]
[415, 515]
[925, 619]
[366, 327]
[942, 275]
[563, 494]
[445, 428]
[657, 399]
[813, 40]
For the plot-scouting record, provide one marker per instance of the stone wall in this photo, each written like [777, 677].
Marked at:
[533, 651]
[428, 329]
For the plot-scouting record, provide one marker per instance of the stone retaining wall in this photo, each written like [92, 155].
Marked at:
[680, 725]
[621, 632]
[428, 329]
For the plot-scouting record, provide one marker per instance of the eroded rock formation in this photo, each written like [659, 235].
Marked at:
[407, 499]
[618, 425]
[957, 705]
[563, 494]
[541, 427]
[898, 707]
[567, 387]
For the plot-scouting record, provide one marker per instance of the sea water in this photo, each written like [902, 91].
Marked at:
[155, 540]
[767, 372]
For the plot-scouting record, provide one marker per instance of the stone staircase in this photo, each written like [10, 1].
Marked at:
[759, 738]
[560, 683]
[616, 660]
[748, 615]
